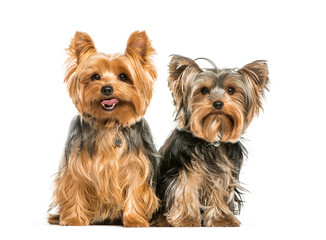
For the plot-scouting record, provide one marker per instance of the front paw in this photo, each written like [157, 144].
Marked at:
[185, 222]
[135, 224]
[74, 222]
[223, 222]
[134, 221]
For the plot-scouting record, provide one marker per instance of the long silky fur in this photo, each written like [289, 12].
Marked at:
[83, 137]
[109, 167]
[181, 148]
[140, 136]
[201, 160]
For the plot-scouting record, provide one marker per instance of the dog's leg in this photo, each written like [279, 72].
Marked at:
[214, 217]
[183, 201]
[141, 201]
[73, 196]
[217, 212]
[74, 208]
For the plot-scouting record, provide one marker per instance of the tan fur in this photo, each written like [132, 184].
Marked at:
[217, 194]
[256, 75]
[184, 211]
[204, 123]
[197, 189]
[217, 106]
[113, 183]
[84, 61]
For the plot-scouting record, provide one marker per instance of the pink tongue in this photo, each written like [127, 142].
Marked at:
[110, 102]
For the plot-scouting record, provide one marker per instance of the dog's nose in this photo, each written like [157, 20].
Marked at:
[218, 105]
[107, 90]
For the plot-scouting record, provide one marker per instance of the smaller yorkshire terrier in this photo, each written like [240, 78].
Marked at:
[107, 173]
[201, 160]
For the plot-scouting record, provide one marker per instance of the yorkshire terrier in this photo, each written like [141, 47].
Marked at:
[199, 171]
[107, 173]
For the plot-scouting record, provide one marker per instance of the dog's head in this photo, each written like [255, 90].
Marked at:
[111, 88]
[216, 104]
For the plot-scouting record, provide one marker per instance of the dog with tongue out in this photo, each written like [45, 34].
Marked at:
[107, 172]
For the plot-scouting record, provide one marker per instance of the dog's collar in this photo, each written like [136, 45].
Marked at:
[215, 144]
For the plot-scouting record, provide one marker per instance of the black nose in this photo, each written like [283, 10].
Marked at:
[107, 90]
[218, 105]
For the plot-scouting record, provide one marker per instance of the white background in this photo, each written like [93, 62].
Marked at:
[285, 169]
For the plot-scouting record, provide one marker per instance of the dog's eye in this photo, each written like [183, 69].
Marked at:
[204, 90]
[96, 77]
[231, 90]
[122, 77]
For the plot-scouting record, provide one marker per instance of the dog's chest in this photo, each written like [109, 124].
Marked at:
[105, 171]
[107, 160]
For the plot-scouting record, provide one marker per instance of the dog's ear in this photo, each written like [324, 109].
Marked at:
[140, 52]
[257, 72]
[139, 48]
[139, 44]
[80, 46]
[182, 72]
[177, 66]
[255, 75]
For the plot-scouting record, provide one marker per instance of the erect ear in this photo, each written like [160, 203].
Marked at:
[140, 51]
[81, 45]
[140, 44]
[256, 77]
[182, 73]
[257, 72]
[178, 65]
